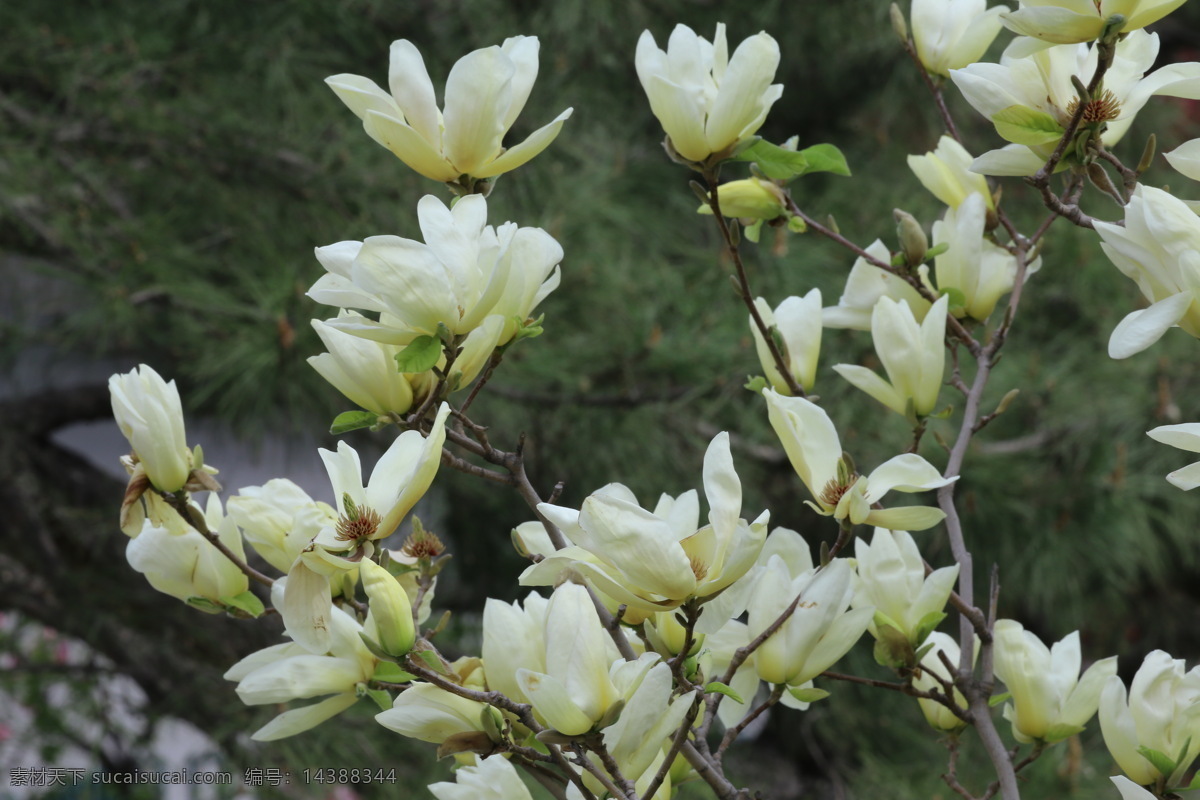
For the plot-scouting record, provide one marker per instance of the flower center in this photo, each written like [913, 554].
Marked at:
[834, 490]
[1104, 108]
[423, 544]
[357, 525]
[699, 568]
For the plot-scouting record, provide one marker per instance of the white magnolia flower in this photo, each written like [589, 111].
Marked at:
[178, 560]
[465, 272]
[1030, 98]
[484, 94]
[430, 714]
[492, 778]
[653, 561]
[150, 415]
[513, 639]
[1185, 436]
[811, 442]
[708, 102]
[864, 286]
[950, 34]
[798, 320]
[1050, 699]
[1159, 248]
[891, 578]
[946, 173]
[1071, 21]
[914, 355]
[279, 520]
[1161, 712]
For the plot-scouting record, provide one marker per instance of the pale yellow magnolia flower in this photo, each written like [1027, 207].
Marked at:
[1071, 21]
[279, 520]
[178, 560]
[1160, 712]
[485, 92]
[429, 714]
[950, 34]
[1159, 248]
[937, 715]
[1050, 699]
[864, 286]
[492, 778]
[150, 415]
[390, 609]
[913, 354]
[946, 173]
[708, 102]
[892, 580]
[799, 321]
[812, 445]
[513, 639]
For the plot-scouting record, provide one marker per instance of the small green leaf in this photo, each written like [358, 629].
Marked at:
[721, 688]
[389, 672]
[421, 354]
[375, 648]
[1161, 761]
[958, 300]
[797, 224]
[247, 602]
[756, 383]
[1024, 125]
[996, 700]
[381, 698]
[528, 328]
[205, 605]
[810, 695]
[754, 231]
[927, 625]
[351, 421]
[432, 661]
[937, 250]
[892, 648]
[825, 158]
[774, 161]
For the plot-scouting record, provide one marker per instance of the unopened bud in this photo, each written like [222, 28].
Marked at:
[898, 23]
[390, 609]
[1147, 154]
[913, 241]
[751, 198]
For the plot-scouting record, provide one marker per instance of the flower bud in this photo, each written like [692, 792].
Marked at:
[149, 413]
[751, 198]
[390, 609]
[913, 241]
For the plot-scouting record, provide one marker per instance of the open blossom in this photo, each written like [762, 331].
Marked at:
[798, 320]
[812, 445]
[1159, 248]
[950, 34]
[464, 272]
[864, 286]
[279, 520]
[1161, 712]
[707, 101]
[1030, 98]
[1071, 21]
[1050, 699]
[485, 92]
[913, 354]
[653, 561]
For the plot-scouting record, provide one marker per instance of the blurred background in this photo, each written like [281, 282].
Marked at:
[167, 166]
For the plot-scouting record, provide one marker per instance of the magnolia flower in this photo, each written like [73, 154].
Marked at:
[1186, 159]
[892, 580]
[1050, 699]
[1162, 713]
[953, 33]
[289, 671]
[798, 320]
[150, 415]
[429, 714]
[1030, 98]
[178, 560]
[913, 354]
[707, 102]
[1071, 21]
[813, 447]
[819, 631]
[864, 286]
[946, 173]
[279, 520]
[391, 610]
[976, 271]
[926, 679]
[492, 778]
[465, 272]
[653, 561]
[1159, 248]
[1186, 437]
[513, 638]
[484, 94]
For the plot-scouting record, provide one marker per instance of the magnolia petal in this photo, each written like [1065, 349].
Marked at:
[679, 115]
[908, 472]
[1185, 436]
[409, 146]
[808, 436]
[1015, 159]
[875, 386]
[518, 154]
[362, 95]
[722, 486]
[1081, 704]
[552, 701]
[906, 518]
[637, 543]
[1140, 329]
[297, 678]
[1120, 733]
[1186, 478]
[410, 84]
[845, 631]
[1130, 790]
[1186, 159]
[307, 608]
[478, 94]
[1053, 24]
[298, 720]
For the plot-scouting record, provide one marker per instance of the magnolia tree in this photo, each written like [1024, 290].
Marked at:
[654, 636]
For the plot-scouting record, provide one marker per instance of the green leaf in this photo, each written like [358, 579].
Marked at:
[375, 648]
[381, 698]
[927, 625]
[528, 328]
[811, 695]
[721, 688]
[825, 158]
[892, 648]
[1024, 125]
[389, 672]
[756, 383]
[1161, 761]
[351, 421]
[996, 700]
[937, 250]
[205, 605]
[753, 231]
[774, 161]
[958, 300]
[421, 354]
[432, 661]
[246, 601]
